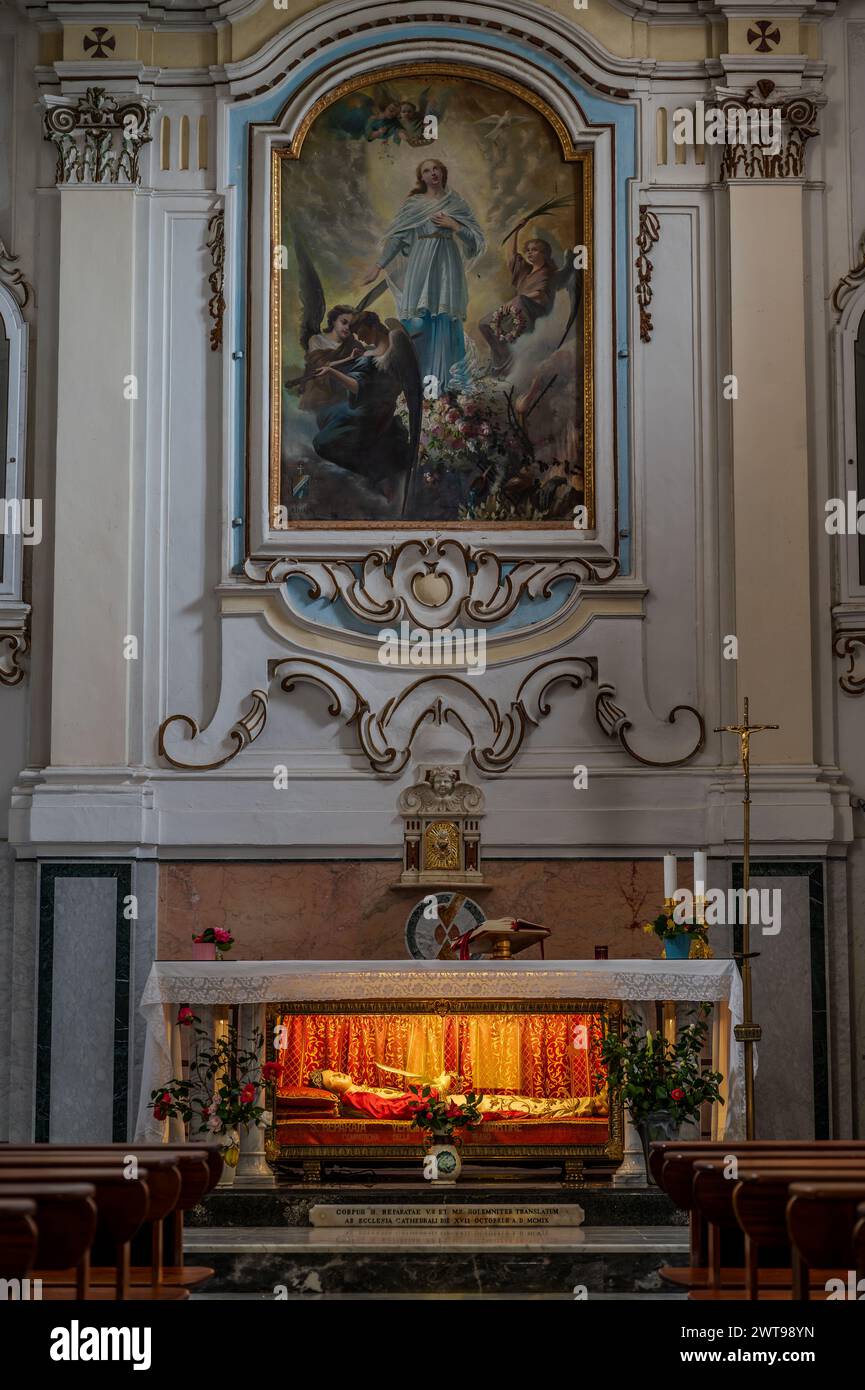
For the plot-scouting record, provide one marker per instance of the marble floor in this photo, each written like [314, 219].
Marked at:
[471, 1297]
[560, 1240]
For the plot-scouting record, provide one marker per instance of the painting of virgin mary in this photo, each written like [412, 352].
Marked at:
[456, 263]
[427, 249]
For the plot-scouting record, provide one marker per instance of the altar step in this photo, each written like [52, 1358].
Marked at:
[289, 1204]
[273, 1261]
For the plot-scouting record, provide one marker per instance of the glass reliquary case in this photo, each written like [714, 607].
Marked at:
[350, 1073]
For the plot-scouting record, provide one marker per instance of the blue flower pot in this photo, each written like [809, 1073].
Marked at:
[678, 947]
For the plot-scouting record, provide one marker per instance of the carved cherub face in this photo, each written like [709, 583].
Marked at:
[443, 780]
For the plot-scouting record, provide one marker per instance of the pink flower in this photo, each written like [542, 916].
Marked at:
[185, 1016]
[221, 935]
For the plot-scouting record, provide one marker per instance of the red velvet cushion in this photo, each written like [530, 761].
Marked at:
[307, 1100]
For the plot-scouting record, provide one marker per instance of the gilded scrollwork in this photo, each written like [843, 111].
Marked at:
[852, 646]
[386, 736]
[216, 278]
[13, 277]
[13, 646]
[244, 732]
[849, 283]
[615, 724]
[432, 582]
[648, 235]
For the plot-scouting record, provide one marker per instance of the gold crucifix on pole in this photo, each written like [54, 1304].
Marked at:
[748, 1032]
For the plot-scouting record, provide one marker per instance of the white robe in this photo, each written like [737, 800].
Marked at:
[426, 265]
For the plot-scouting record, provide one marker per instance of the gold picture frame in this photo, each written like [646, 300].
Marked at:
[581, 158]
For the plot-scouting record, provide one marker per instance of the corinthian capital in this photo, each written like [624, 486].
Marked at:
[767, 129]
[98, 136]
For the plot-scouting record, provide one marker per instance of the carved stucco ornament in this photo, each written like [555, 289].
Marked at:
[13, 277]
[432, 582]
[385, 736]
[13, 645]
[99, 137]
[849, 283]
[851, 644]
[799, 109]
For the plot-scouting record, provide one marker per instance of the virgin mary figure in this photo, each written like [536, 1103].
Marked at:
[426, 251]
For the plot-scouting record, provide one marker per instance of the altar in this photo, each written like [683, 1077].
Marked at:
[574, 988]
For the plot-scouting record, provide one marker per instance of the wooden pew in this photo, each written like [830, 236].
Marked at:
[191, 1176]
[18, 1237]
[674, 1166]
[820, 1218]
[859, 1242]
[65, 1226]
[121, 1207]
[756, 1203]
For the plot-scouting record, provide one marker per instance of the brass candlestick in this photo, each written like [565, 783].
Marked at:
[748, 1032]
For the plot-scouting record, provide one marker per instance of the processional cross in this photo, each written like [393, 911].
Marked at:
[748, 1032]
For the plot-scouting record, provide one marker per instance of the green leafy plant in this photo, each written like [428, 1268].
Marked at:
[222, 1089]
[665, 926]
[441, 1118]
[649, 1073]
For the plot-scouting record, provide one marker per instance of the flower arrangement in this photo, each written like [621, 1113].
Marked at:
[509, 323]
[440, 1118]
[475, 459]
[219, 937]
[648, 1073]
[667, 928]
[221, 1090]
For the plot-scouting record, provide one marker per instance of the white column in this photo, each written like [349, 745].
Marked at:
[770, 465]
[253, 1167]
[94, 520]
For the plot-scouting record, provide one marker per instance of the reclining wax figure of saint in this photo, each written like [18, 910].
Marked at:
[390, 1103]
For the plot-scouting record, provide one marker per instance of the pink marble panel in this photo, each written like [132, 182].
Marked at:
[349, 910]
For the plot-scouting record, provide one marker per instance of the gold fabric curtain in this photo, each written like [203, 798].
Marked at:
[539, 1055]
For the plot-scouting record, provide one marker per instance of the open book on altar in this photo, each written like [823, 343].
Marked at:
[501, 938]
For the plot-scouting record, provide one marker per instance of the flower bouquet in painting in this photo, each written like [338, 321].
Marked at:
[220, 1092]
[662, 1084]
[212, 944]
[440, 1119]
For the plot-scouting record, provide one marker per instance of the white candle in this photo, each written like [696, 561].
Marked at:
[699, 874]
[669, 875]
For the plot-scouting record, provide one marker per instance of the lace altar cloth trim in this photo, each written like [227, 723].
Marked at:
[198, 983]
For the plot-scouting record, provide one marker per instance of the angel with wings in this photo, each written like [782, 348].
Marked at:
[363, 433]
[536, 280]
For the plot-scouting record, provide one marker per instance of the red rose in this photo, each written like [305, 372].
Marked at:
[221, 935]
[247, 1095]
[270, 1070]
[161, 1106]
[678, 1094]
[185, 1016]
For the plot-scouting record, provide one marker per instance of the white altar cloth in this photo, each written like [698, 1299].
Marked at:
[259, 982]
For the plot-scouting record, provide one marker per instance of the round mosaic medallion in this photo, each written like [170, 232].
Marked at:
[437, 921]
